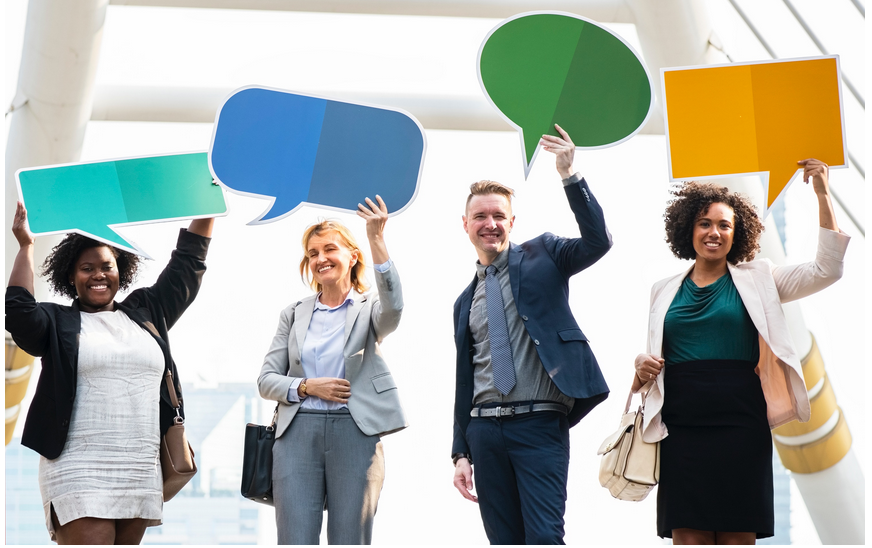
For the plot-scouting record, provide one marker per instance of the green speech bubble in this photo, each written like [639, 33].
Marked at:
[542, 68]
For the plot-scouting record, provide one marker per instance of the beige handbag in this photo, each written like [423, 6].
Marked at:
[630, 467]
[176, 455]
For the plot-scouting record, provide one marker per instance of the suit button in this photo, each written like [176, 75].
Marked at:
[524, 318]
[65, 423]
[297, 362]
[536, 342]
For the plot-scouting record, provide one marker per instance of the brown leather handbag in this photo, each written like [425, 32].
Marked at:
[176, 454]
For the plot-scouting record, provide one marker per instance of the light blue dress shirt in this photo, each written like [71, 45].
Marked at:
[322, 348]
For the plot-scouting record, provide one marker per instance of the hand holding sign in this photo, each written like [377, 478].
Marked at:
[94, 198]
[750, 118]
[298, 149]
[543, 68]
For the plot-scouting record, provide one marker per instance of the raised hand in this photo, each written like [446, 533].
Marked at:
[563, 149]
[376, 216]
[19, 227]
[819, 172]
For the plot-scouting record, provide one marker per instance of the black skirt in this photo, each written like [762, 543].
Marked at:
[716, 462]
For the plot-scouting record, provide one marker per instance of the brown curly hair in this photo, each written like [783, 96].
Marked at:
[59, 265]
[691, 201]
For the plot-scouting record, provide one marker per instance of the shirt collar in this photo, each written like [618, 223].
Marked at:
[500, 263]
[321, 306]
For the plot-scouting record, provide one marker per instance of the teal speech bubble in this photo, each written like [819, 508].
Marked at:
[94, 198]
[542, 68]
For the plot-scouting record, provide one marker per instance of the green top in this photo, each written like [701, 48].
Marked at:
[709, 323]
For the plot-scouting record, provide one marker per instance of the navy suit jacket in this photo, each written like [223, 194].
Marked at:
[539, 272]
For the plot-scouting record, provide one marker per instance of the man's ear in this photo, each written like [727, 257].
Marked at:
[465, 226]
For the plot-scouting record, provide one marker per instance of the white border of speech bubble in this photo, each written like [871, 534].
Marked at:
[136, 249]
[272, 199]
[520, 130]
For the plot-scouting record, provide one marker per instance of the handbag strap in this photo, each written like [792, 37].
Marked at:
[646, 387]
[272, 425]
[174, 398]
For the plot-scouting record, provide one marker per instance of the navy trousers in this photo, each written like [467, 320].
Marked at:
[521, 465]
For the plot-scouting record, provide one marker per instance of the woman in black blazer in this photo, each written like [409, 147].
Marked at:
[101, 405]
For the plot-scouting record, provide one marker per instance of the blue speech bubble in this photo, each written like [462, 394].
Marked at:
[299, 149]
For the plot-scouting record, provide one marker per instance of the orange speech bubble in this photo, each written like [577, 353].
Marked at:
[753, 118]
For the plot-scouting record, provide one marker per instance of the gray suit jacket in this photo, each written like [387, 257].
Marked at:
[374, 403]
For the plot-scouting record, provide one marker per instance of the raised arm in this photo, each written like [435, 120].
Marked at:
[575, 254]
[800, 280]
[818, 172]
[387, 311]
[22, 268]
[202, 227]
[563, 149]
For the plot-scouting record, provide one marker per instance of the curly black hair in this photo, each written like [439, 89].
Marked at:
[59, 265]
[691, 201]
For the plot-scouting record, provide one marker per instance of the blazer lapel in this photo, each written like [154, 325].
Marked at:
[743, 279]
[351, 314]
[302, 316]
[661, 306]
[516, 255]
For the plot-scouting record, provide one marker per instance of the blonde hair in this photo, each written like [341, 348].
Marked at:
[324, 227]
[485, 187]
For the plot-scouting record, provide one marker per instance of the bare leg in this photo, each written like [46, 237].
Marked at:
[735, 538]
[84, 530]
[692, 536]
[130, 531]
[99, 531]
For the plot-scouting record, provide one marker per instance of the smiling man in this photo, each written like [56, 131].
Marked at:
[525, 372]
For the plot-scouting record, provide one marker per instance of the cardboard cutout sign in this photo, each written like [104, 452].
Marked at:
[542, 68]
[753, 118]
[95, 198]
[299, 149]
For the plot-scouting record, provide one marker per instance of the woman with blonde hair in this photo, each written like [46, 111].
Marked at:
[335, 392]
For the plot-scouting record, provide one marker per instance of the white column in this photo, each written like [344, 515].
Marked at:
[55, 88]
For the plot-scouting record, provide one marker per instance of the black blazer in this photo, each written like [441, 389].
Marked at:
[51, 331]
[539, 272]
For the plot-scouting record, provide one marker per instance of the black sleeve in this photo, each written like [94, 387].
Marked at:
[178, 284]
[27, 321]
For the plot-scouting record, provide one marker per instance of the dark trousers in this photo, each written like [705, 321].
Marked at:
[521, 466]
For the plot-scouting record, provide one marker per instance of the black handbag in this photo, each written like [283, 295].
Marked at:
[257, 461]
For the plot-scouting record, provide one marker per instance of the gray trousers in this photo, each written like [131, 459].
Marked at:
[324, 462]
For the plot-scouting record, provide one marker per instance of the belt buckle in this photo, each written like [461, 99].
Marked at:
[510, 411]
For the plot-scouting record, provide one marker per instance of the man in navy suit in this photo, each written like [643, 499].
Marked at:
[525, 372]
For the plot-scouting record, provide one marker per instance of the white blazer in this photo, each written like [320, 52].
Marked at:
[374, 403]
[762, 286]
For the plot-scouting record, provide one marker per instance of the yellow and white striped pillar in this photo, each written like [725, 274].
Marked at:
[19, 366]
[819, 457]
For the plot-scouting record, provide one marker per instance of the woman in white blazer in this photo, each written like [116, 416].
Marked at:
[719, 345]
[335, 392]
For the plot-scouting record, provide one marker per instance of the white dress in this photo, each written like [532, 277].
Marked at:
[110, 465]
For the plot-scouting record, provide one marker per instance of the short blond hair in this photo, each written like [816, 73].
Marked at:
[485, 187]
[324, 227]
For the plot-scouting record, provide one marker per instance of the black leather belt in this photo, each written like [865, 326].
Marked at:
[512, 410]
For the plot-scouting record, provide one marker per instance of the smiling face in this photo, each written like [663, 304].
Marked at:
[330, 260]
[488, 222]
[95, 277]
[713, 233]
